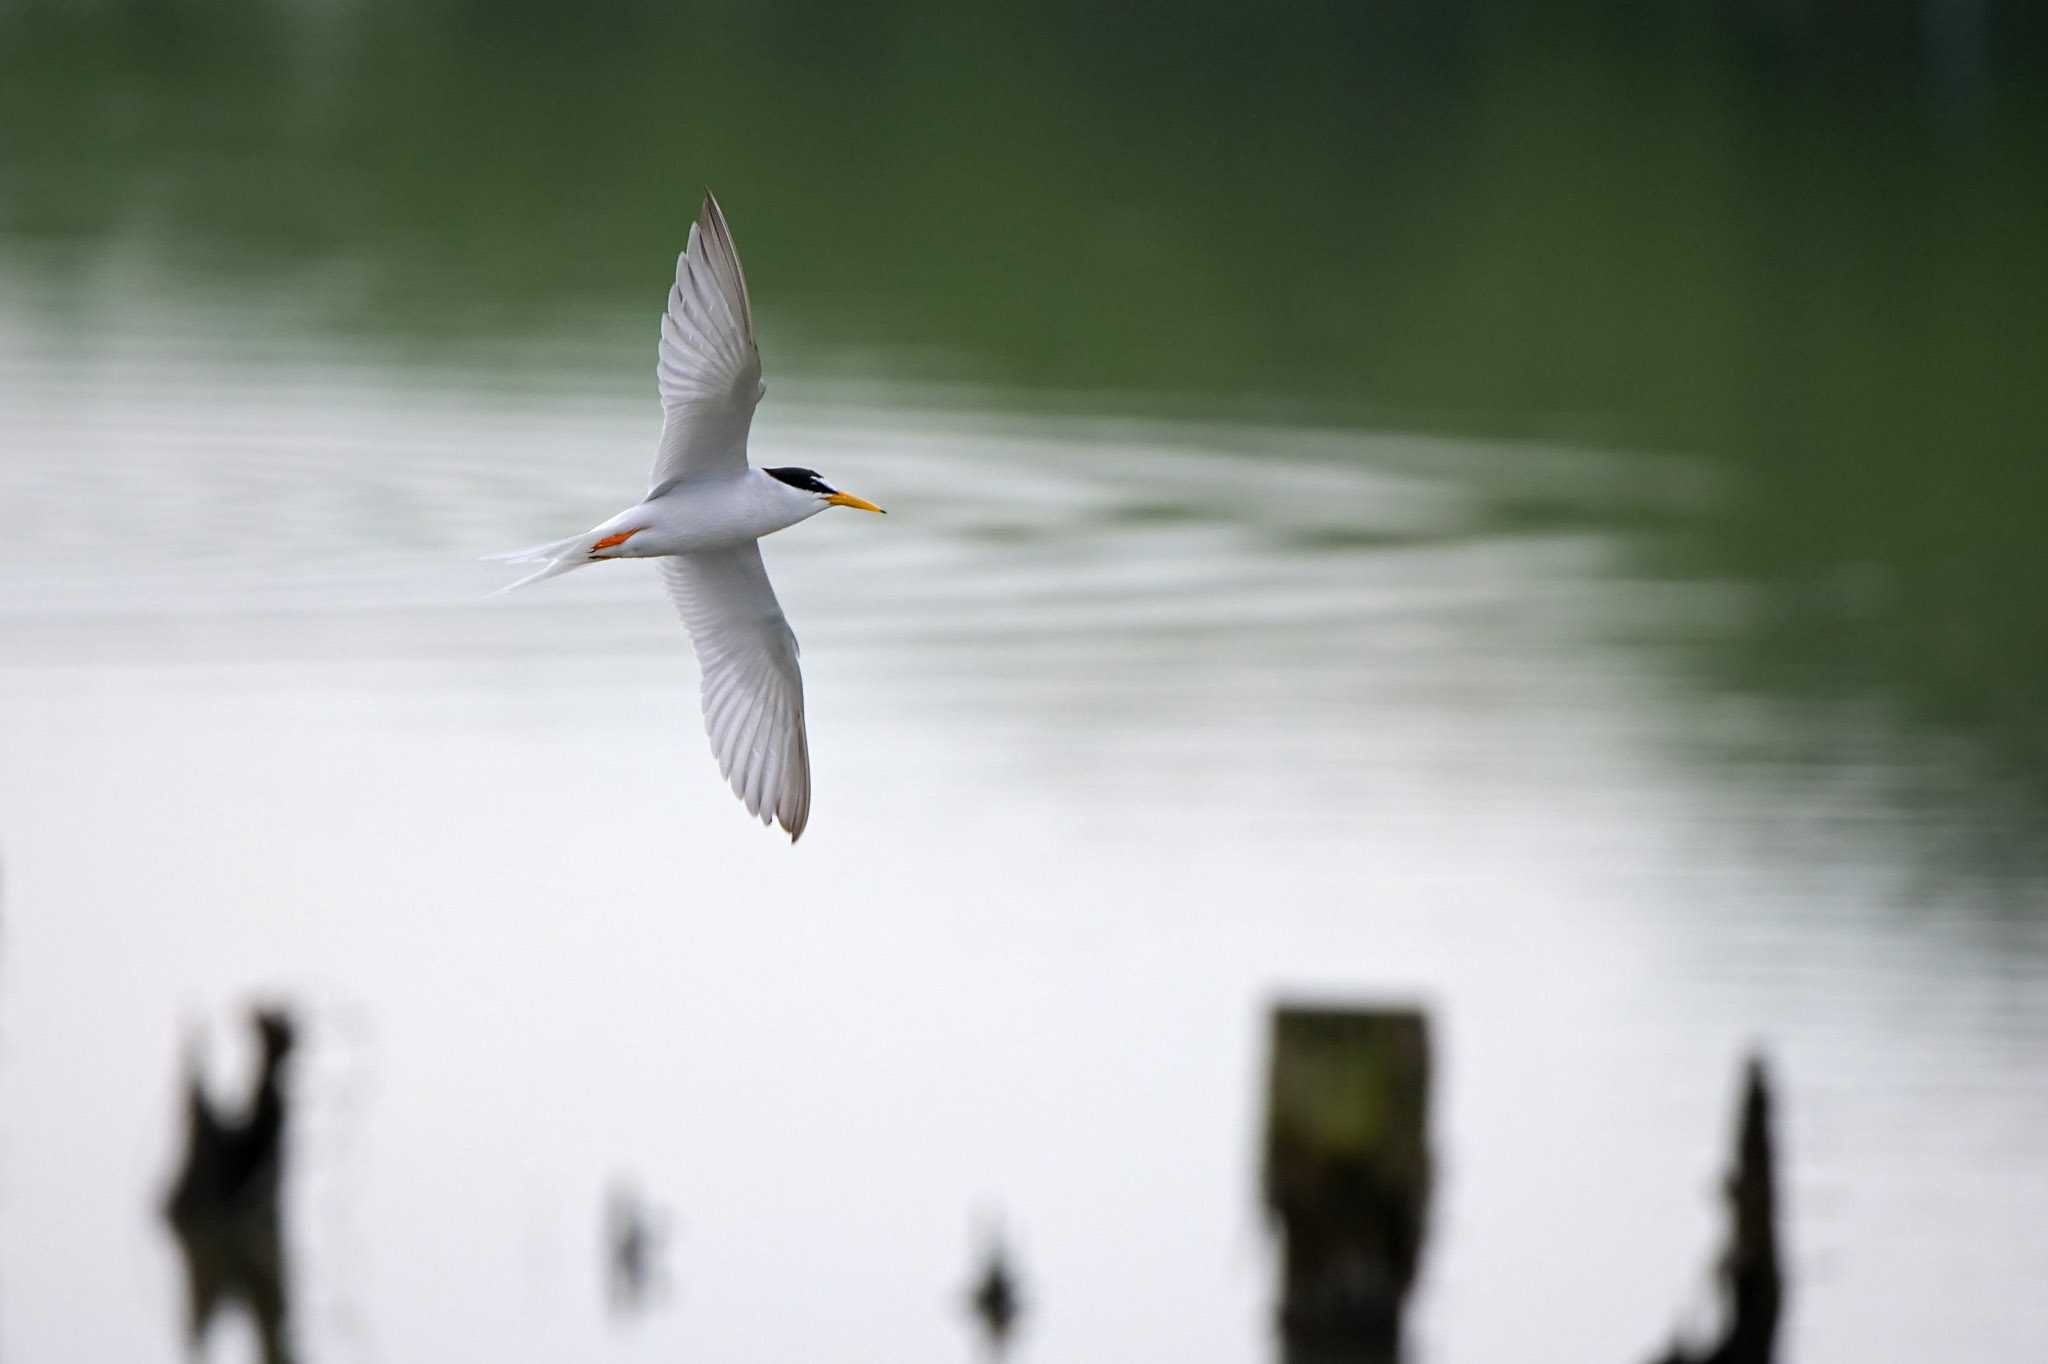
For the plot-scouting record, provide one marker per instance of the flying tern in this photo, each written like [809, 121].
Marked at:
[703, 518]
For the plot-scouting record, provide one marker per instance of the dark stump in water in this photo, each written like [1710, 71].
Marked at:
[995, 1298]
[636, 1233]
[1347, 1176]
[224, 1203]
[1752, 1284]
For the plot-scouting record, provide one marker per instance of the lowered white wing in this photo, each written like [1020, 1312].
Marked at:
[752, 691]
[709, 367]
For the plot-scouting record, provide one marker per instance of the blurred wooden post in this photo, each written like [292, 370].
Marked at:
[225, 1205]
[1347, 1175]
[1752, 1284]
[996, 1299]
[1755, 1286]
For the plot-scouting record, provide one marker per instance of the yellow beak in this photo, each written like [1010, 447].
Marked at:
[849, 500]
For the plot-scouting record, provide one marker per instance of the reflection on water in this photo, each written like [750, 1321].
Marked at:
[1528, 518]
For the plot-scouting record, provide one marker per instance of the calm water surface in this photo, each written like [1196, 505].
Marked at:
[1122, 729]
[1533, 511]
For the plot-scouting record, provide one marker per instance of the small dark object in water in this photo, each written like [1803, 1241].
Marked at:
[233, 1166]
[635, 1233]
[224, 1203]
[995, 1298]
[1753, 1286]
[1347, 1175]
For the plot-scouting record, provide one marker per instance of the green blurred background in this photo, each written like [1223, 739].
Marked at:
[1805, 242]
[1535, 507]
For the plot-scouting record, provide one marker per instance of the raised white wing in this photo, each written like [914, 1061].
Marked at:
[752, 691]
[709, 367]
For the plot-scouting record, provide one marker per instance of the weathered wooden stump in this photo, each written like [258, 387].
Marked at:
[1347, 1176]
[224, 1205]
[1752, 1284]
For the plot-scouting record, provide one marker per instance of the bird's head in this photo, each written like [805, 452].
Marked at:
[807, 483]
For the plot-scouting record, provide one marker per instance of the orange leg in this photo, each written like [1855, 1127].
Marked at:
[611, 540]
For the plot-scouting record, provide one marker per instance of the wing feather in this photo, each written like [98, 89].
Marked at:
[752, 690]
[708, 365]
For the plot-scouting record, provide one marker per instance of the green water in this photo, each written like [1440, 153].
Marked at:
[1538, 517]
[1816, 262]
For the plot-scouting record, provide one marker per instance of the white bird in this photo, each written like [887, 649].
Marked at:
[704, 517]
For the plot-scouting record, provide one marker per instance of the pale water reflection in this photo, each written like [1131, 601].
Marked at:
[1120, 728]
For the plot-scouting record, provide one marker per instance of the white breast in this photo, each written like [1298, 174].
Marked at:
[717, 513]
